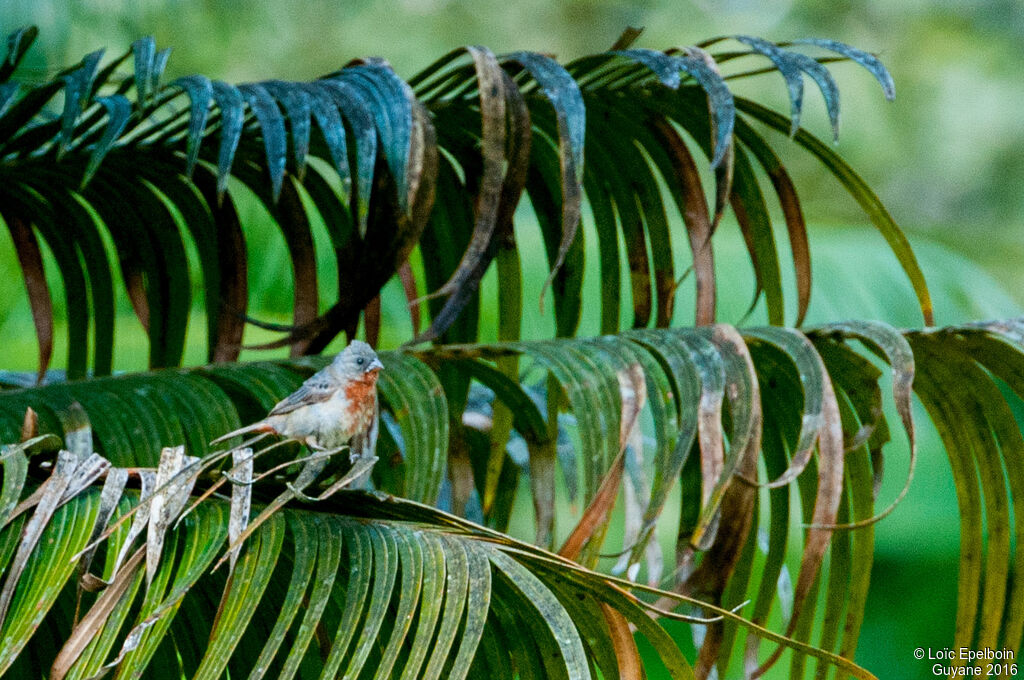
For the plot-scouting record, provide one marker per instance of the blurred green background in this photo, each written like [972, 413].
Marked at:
[947, 157]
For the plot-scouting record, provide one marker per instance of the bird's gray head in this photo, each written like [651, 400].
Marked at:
[356, 360]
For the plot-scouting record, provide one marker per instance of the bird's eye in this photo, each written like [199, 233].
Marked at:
[360, 361]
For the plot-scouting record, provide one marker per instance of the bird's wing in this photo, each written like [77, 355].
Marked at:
[319, 387]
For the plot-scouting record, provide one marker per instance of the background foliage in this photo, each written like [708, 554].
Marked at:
[948, 166]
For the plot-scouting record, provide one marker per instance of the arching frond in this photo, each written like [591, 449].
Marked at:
[733, 416]
[370, 583]
[100, 166]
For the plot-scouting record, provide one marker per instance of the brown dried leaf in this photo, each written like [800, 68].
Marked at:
[513, 164]
[30, 425]
[627, 38]
[113, 489]
[492, 87]
[411, 295]
[226, 341]
[30, 257]
[147, 482]
[699, 227]
[135, 286]
[826, 509]
[709, 580]
[241, 498]
[95, 619]
[168, 501]
[371, 321]
[626, 652]
[294, 222]
[633, 390]
[797, 228]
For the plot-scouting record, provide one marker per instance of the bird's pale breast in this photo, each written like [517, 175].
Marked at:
[333, 422]
[361, 398]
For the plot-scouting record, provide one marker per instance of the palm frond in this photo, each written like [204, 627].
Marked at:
[380, 583]
[733, 416]
[431, 170]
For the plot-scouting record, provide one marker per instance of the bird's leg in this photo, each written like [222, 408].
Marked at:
[361, 467]
[299, 494]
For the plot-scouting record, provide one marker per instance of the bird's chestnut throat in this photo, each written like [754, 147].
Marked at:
[360, 389]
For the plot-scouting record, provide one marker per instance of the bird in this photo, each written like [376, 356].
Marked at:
[335, 407]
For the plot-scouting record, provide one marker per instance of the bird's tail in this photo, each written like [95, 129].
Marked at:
[260, 426]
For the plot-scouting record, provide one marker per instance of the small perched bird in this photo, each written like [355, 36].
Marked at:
[334, 407]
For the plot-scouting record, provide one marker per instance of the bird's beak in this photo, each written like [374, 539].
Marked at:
[375, 365]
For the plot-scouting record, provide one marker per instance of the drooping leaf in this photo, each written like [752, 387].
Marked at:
[200, 92]
[865, 59]
[77, 85]
[118, 110]
[392, 105]
[144, 52]
[272, 128]
[297, 103]
[364, 111]
[232, 115]
[863, 195]
[563, 93]
[18, 43]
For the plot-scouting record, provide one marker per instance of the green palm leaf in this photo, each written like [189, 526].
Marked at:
[817, 391]
[405, 543]
[308, 151]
